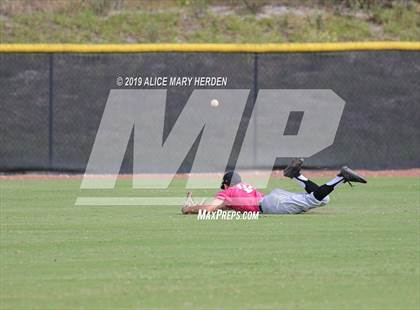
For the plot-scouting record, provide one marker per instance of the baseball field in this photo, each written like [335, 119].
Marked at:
[359, 252]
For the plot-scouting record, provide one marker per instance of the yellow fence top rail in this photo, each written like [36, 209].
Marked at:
[214, 48]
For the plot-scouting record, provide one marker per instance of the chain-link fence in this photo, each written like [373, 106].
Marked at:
[52, 103]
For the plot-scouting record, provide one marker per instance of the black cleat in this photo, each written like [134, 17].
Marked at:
[350, 176]
[293, 169]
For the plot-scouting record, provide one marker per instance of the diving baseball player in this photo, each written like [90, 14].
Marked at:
[242, 197]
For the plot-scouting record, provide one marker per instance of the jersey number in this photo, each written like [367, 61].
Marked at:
[245, 187]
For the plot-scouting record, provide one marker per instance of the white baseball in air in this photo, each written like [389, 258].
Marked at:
[214, 103]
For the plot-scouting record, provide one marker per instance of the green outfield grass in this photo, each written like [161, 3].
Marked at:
[359, 252]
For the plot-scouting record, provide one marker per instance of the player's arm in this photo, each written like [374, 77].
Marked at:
[215, 204]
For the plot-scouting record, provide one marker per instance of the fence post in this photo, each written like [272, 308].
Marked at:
[254, 114]
[50, 110]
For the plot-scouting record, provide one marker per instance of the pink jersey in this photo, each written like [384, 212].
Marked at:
[241, 197]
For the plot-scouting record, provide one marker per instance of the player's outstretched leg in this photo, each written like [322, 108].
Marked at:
[345, 175]
[293, 171]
